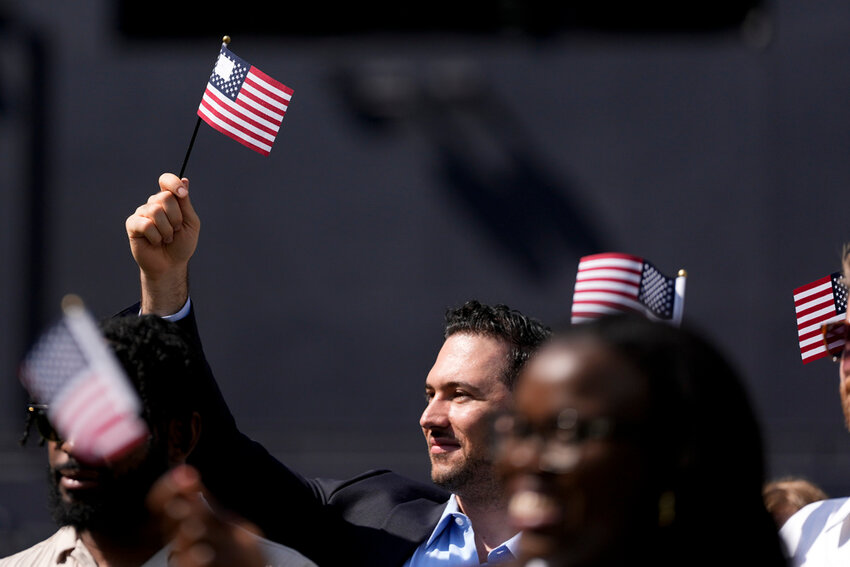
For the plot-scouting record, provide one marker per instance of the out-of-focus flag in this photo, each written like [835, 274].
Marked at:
[91, 402]
[244, 103]
[613, 282]
[822, 301]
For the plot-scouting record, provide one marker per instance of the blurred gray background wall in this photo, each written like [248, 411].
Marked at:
[417, 168]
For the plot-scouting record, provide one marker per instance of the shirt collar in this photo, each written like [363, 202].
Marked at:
[840, 516]
[451, 512]
[65, 542]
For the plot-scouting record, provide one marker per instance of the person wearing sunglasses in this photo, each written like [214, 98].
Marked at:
[817, 534]
[102, 510]
[634, 442]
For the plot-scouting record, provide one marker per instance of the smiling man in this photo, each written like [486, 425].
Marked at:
[378, 518]
[470, 384]
[101, 509]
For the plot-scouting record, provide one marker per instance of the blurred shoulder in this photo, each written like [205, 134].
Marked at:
[815, 530]
[47, 552]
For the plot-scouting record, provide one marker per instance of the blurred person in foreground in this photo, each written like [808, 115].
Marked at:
[377, 518]
[103, 509]
[819, 533]
[634, 442]
[784, 496]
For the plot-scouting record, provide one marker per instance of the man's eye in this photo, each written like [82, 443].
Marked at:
[428, 397]
[460, 394]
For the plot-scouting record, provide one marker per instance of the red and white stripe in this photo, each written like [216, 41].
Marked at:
[254, 118]
[606, 283]
[94, 416]
[97, 409]
[814, 305]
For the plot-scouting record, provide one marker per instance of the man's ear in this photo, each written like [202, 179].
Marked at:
[182, 438]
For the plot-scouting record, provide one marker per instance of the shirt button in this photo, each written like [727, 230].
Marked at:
[459, 521]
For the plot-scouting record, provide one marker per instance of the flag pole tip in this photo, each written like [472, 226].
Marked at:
[71, 301]
[683, 273]
[226, 40]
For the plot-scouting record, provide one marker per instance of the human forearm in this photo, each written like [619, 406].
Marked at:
[166, 294]
[163, 234]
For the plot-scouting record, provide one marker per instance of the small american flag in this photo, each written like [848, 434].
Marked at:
[90, 400]
[613, 282]
[822, 301]
[244, 103]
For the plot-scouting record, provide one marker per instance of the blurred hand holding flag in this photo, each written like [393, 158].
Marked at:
[612, 282]
[244, 103]
[91, 402]
[821, 301]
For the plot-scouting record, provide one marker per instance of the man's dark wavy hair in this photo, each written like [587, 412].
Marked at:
[522, 333]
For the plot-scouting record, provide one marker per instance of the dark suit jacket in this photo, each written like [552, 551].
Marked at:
[375, 519]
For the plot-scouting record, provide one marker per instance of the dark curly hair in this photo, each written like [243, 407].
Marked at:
[164, 365]
[162, 362]
[522, 333]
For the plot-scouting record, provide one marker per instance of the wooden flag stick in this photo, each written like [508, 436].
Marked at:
[226, 41]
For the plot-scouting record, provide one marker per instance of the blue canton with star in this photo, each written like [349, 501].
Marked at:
[230, 86]
[839, 292]
[657, 292]
[52, 362]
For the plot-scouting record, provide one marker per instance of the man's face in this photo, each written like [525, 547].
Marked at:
[464, 391]
[102, 496]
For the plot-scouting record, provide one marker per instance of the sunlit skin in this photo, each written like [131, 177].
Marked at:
[463, 392]
[593, 507]
[76, 479]
[79, 484]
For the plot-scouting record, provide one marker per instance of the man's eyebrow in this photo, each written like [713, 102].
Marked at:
[453, 384]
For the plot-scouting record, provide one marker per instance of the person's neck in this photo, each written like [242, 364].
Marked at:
[128, 548]
[490, 522]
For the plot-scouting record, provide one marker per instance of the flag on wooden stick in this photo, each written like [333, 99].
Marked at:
[244, 103]
[90, 401]
[612, 282]
[821, 301]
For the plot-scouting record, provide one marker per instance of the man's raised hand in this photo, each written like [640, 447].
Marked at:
[163, 235]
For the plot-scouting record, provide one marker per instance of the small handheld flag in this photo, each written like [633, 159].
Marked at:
[821, 301]
[90, 400]
[612, 282]
[242, 102]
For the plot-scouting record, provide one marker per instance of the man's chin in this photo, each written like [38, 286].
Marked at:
[450, 475]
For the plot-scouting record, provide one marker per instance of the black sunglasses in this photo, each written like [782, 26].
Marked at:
[38, 414]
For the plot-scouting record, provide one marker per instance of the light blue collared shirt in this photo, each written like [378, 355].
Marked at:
[453, 543]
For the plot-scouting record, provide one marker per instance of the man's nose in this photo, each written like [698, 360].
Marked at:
[435, 414]
[65, 446]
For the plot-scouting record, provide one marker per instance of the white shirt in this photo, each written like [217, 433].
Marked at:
[65, 548]
[819, 534]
